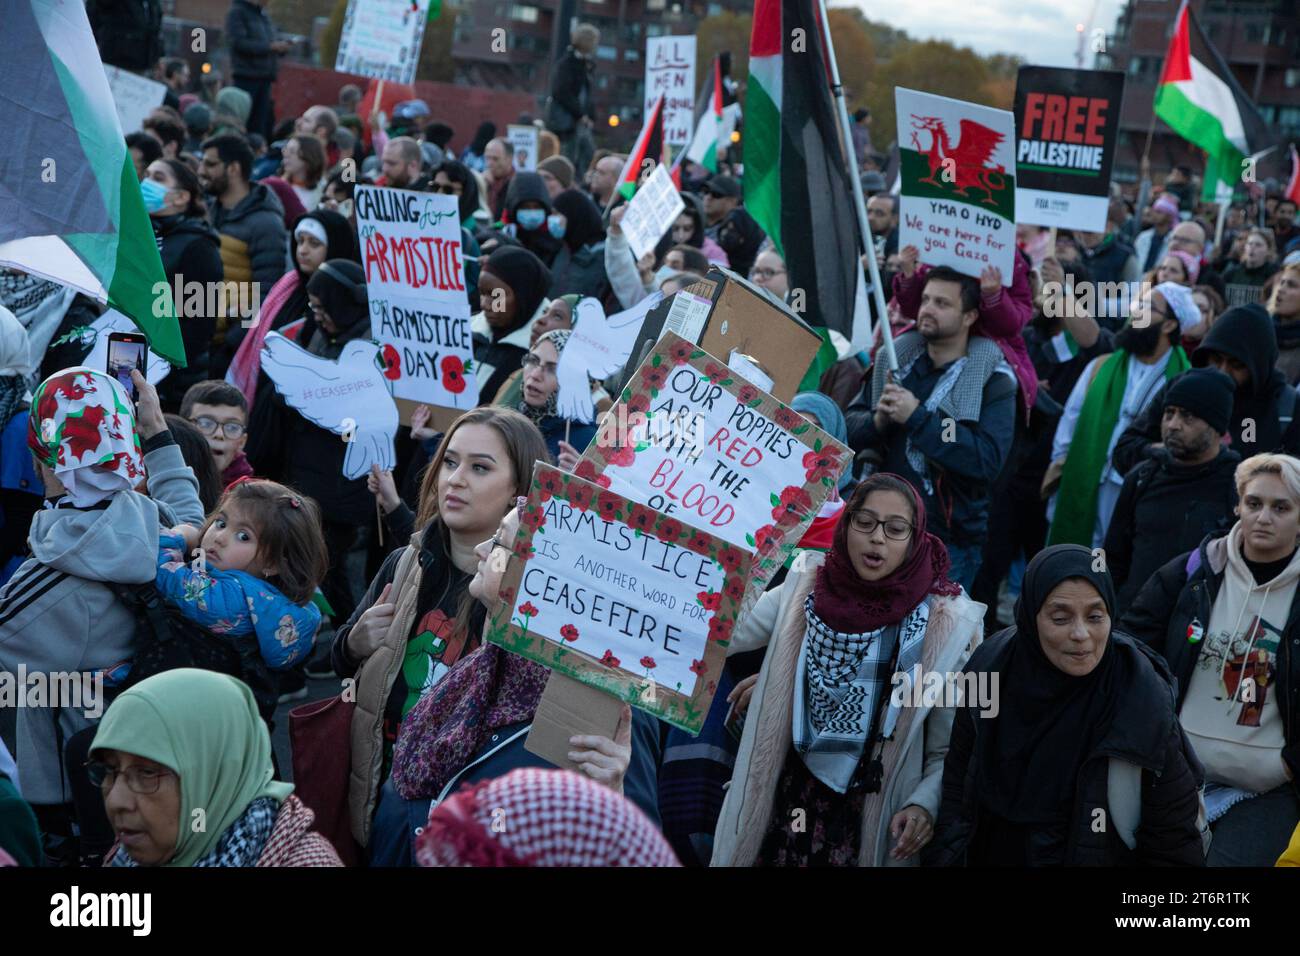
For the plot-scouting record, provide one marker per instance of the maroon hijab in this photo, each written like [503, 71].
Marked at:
[847, 603]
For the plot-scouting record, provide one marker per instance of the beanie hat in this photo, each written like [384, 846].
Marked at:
[560, 168]
[1205, 392]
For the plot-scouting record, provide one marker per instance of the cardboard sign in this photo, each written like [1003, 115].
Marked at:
[620, 597]
[569, 707]
[135, 97]
[652, 211]
[958, 175]
[691, 438]
[156, 367]
[349, 397]
[381, 38]
[725, 313]
[415, 277]
[524, 140]
[1067, 128]
[670, 70]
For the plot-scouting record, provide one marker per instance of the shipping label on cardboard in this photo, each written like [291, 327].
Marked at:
[620, 597]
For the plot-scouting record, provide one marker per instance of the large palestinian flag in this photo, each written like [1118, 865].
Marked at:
[1203, 103]
[796, 176]
[70, 205]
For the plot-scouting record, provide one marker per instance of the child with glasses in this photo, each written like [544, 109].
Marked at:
[220, 411]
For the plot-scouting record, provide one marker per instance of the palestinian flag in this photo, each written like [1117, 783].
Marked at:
[797, 179]
[70, 205]
[650, 146]
[703, 149]
[1203, 103]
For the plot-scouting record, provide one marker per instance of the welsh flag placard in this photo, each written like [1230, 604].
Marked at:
[958, 170]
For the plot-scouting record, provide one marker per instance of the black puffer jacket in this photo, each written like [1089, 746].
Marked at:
[1183, 591]
[1145, 732]
[1166, 508]
[1246, 334]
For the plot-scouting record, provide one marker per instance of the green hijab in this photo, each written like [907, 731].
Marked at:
[205, 727]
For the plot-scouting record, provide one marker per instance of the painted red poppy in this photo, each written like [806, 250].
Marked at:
[698, 668]
[710, 600]
[579, 497]
[648, 663]
[670, 529]
[795, 503]
[681, 352]
[453, 374]
[392, 363]
[587, 470]
[788, 418]
[609, 660]
[653, 379]
[715, 373]
[641, 518]
[569, 632]
[720, 628]
[747, 394]
[608, 505]
[730, 557]
[527, 609]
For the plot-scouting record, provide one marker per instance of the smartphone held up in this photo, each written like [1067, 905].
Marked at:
[127, 351]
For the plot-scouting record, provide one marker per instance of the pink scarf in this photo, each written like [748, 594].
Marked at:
[248, 357]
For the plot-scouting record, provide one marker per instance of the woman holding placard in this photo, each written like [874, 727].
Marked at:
[541, 388]
[417, 618]
[836, 766]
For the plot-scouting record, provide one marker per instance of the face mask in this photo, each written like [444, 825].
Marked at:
[530, 218]
[556, 226]
[154, 193]
[663, 273]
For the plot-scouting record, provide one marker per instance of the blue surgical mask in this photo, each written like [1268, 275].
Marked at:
[530, 218]
[663, 273]
[556, 226]
[154, 193]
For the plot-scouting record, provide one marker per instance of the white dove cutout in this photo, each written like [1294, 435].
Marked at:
[598, 347]
[350, 397]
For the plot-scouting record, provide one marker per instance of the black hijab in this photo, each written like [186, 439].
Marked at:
[1048, 722]
[340, 284]
[526, 274]
[584, 224]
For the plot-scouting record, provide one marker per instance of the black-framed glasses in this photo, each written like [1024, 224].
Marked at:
[895, 528]
[209, 427]
[535, 361]
[765, 274]
[447, 189]
[143, 780]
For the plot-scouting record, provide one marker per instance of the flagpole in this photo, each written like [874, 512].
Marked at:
[855, 181]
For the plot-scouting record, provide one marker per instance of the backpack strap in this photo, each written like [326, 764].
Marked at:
[1124, 799]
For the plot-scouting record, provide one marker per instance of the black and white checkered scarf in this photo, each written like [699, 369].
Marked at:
[241, 844]
[842, 677]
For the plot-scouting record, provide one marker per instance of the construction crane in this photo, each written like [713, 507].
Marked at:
[1084, 29]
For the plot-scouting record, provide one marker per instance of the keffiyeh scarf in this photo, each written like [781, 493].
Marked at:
[842, 677]
[242, 843]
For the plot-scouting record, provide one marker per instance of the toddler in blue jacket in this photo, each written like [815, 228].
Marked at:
[258, 560]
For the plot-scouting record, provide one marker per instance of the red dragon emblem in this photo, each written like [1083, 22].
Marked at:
[964, 166]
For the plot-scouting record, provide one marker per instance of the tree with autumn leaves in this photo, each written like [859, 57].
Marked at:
[874, 59]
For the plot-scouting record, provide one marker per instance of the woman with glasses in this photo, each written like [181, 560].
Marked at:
[769, 273]
[565, 438]
[186, 746]
[473, 724]
[841, 754]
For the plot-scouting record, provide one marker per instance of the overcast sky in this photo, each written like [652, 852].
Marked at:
[1041, 31]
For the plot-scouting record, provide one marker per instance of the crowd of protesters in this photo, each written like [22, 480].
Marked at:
[1090, 507]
